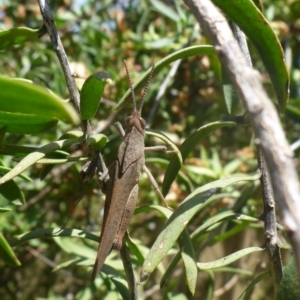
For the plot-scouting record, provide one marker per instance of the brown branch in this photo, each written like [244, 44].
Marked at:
[131, 280]
[269, 215]
[270, 223]
[262, 114]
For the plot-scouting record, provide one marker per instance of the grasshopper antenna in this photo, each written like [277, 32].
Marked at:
[131, 87]
[146, 88]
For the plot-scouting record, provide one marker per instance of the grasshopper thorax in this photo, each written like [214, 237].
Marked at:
[135, 120]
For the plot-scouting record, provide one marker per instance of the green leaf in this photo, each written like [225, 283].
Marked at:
[3, 130]
[22, 97]
[6, 170]
[7, 254]
[155, 43]
[70, 245]
[165, 10]
[33, 157]
[17, 36]
[181, 176]
[183, 53]
[181, 217]
[91, 94]
[196, 233]
[289, 288]
[11, 191]
[252, 22]
[74, 262]
[121, 285]
[26, 124]
[165, 139]
[97, 141]
[189, 261]
[186, 147]
[187, 251]
[232, 101]
[51, 232]
[293, 110]
[228, 259]
[249, 288]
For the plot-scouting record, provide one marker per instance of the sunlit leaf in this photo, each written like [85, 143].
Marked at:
[181, 217]
[186, 147]
[26, 98]
[165, 10]
[91, 94]
[26, 124]
[6, 253]
[97, 141]
[228, 259]
[33, 157]
[16, 36]
[252, 22]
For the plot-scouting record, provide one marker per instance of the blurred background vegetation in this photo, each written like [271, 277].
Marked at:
[99, 35]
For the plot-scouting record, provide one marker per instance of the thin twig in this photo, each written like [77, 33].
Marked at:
[270, 223]
[262, 114]
[268, 198]
[70, 80]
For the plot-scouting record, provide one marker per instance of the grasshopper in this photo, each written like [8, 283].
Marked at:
[124, 174]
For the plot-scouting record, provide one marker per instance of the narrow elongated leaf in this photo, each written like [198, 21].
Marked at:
[187, 250]
[183, 53]
[122, 287]
[4, 170]
[33, 157]
[164, 138]
[181, 217]
[17, 36]
[249, 288]
[73, 262]
[22, 97]
[166, 10]
[154, 44]
[26, 124]
[228, 259]
[51, 232]
[91, 94]
[186, 147]
[11, 191]
[189, 261]
[7, 254]
[75, 247]
[252, 22]
[231, 99]
[193, 236]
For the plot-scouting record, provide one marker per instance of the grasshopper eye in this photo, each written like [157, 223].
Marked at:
[143, 122]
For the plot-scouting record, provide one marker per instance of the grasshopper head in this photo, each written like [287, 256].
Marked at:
[135, 120]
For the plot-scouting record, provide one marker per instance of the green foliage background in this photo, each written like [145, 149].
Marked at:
[98, 36]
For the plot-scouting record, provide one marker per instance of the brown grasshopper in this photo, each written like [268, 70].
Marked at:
[122, 188]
